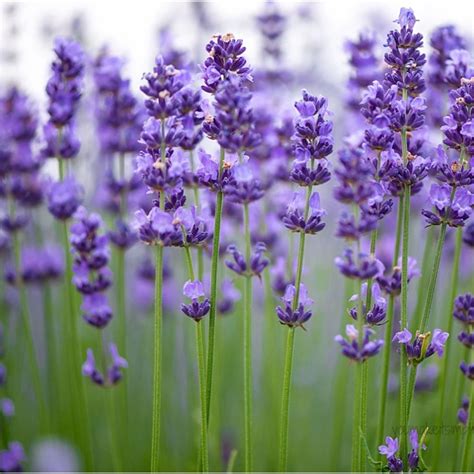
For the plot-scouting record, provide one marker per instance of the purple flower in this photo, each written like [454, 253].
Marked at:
[464, 309]
[378, 311]
[89, 369]
[313, 133]
[114, 371]
[356, 350]
[11, 459]
[468, 235]
[96, 310]
[450, 209]
[392, 283]
[199, 306]
[302, 217]
[7, 407]
[365, 268]
[463, 412]
[225, 61]
[295, 313]
[157, 228]
[229, 296]
[423, 345]
[467, 369]
[243, 187]
[258, 262]
[390, 448]
[64, 198]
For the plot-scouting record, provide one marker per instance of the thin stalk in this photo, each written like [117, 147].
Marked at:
[247, 347]
[158, 338]
[423, 282]
[81, 416]
[453, 288]
[157, 364]
[460, 386]
[388, 334]
[28, 334]
[290, 342]
[213, 299]
[203, 460]
[433, 279]
[427, 310]
[230, 464]
[466, 458]
[404, 322]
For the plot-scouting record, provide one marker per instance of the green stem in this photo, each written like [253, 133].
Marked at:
[28, 334]
[424, 277]
[433, 279]
[230, 464]
[404, 322]
[453, 288]
[157, 364]
[290, 343]
[466, 458]
[213, 299]
[247, 346]
[388, 334]
[285, 403]
[204, 450]
[81, 416]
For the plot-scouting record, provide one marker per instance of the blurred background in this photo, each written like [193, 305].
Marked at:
[312, 55]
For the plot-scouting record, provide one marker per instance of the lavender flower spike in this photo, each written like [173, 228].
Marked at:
[299, 316]
[423, 345]
[355, 351]
[199, 306]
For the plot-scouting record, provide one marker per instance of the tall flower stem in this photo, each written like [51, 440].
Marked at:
[388, 334]
[290, 342]
[121, 293]
[213, 299]
[203, 460]
[427, 310]
[73, 348]
[453, 287]
[404, 320]
[466, 458]
[247, 347]
[158, 338]
[157, 360]
[28, 334]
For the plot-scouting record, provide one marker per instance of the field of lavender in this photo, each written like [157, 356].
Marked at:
[215, 267]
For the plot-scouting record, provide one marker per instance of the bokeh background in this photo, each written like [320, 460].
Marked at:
[313, 53]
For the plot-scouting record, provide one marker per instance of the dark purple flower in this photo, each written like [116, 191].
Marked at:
[404, 58]
[158, 228]
[229, 296]
[295, 314]
[64, 198]
[313, 132]
[464, 309]
[452, 207]
[302, 216]
[225, 61]
[199, 306]
[123, 236]
[89, 369]
[96, 310]
[392, 283]
[463, 412]
[468, 235]
[243, 187]
[376, 314]
[356, 350]
[11, 459]
[467, 369]
[423, 345]
[114, 371]
[258, 262]
[365, 268]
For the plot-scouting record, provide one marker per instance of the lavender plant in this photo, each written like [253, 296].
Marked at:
[185, 268]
